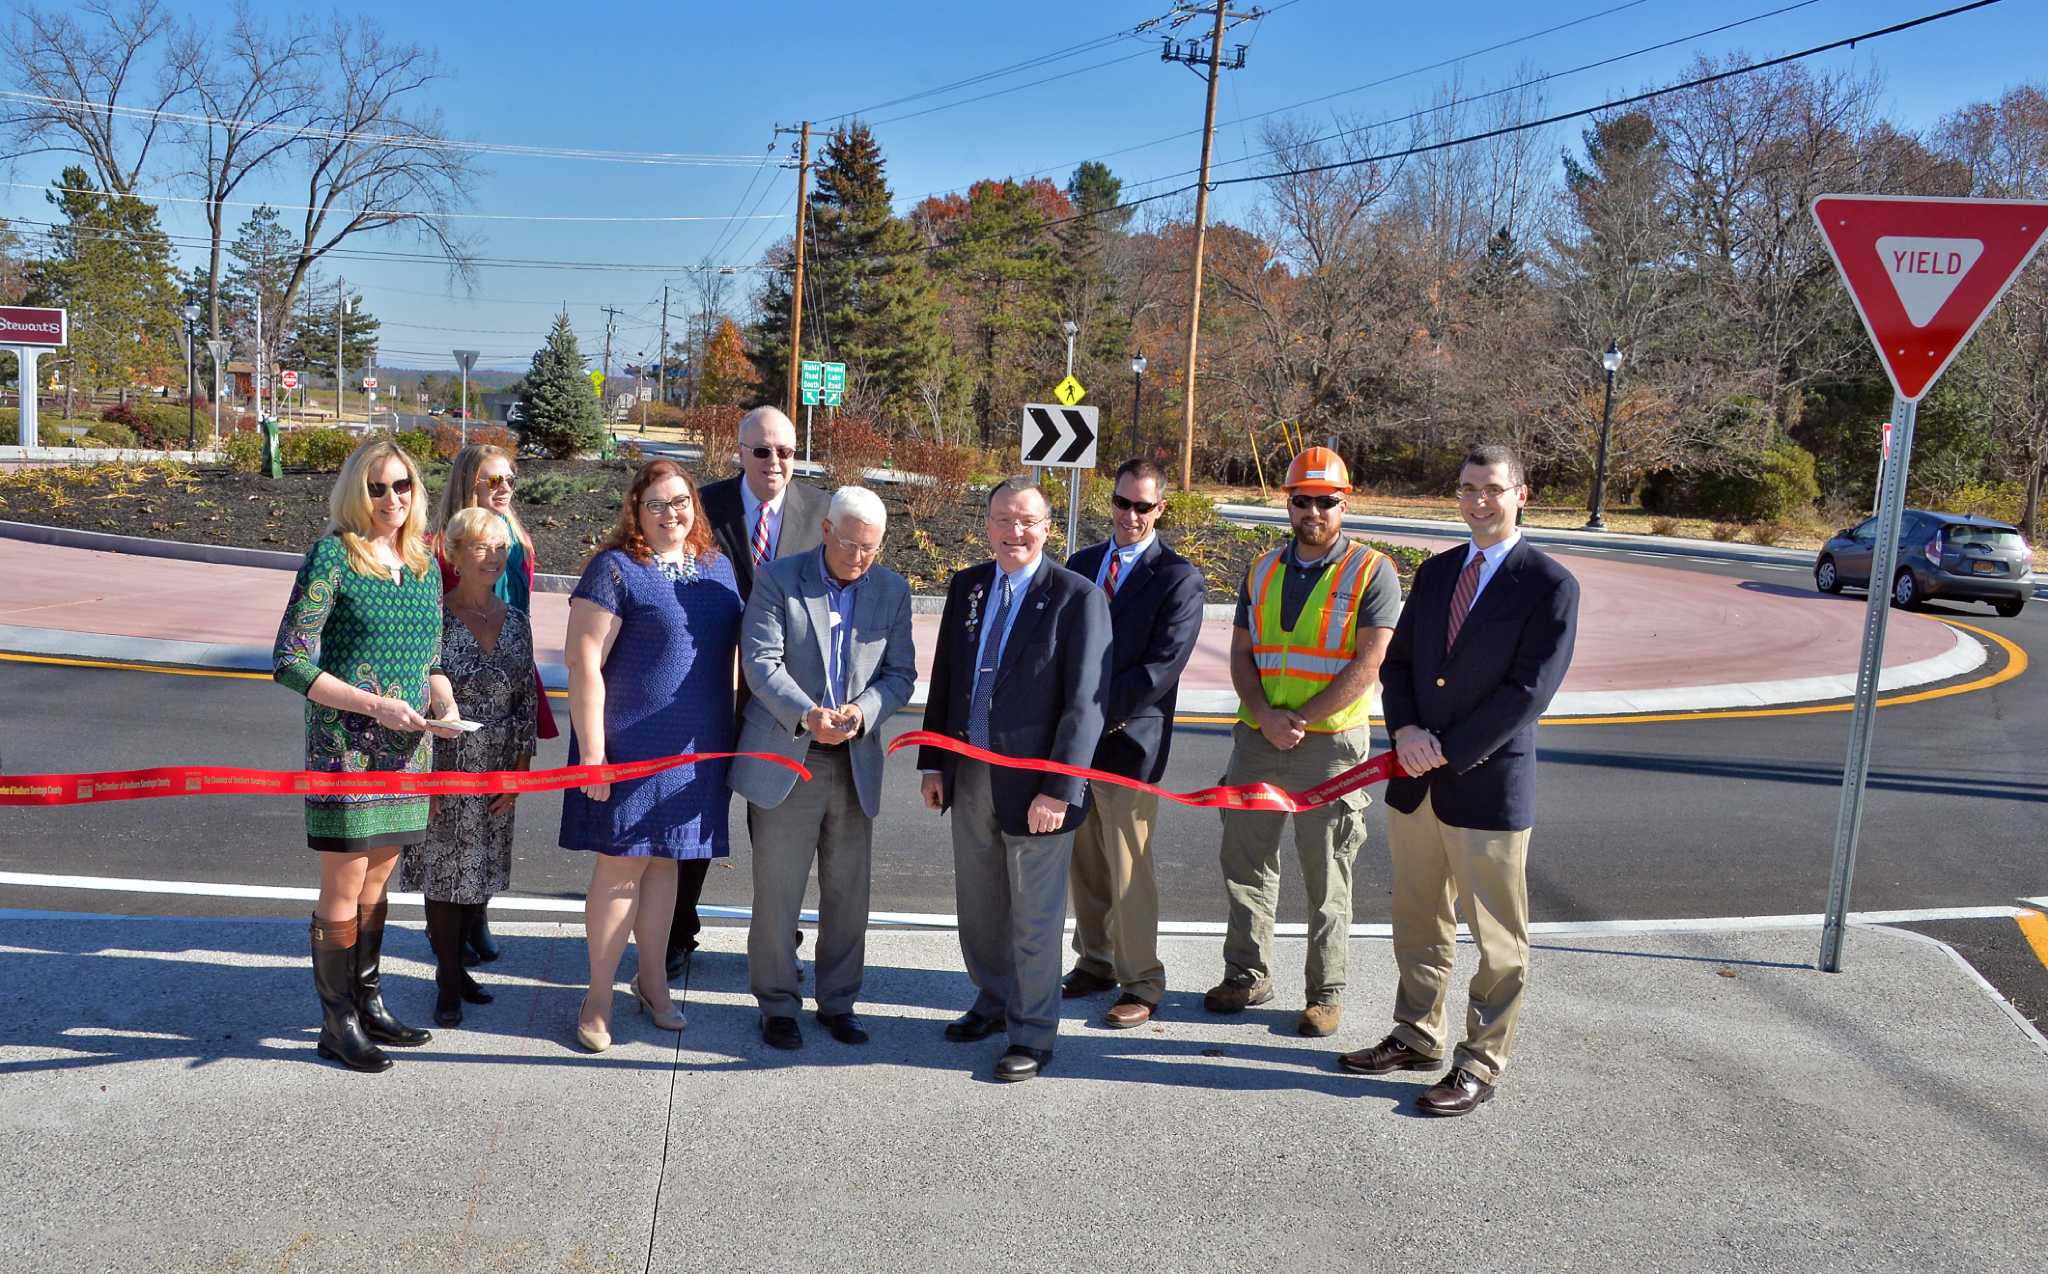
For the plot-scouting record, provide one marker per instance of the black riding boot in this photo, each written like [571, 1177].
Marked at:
[334, 977]
[477, 936]
[377, 1021]
[444, 934]
[472, 922]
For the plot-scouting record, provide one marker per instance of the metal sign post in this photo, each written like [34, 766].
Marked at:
[218, 347]
[29, 331]
[1923, 273]
[465, 359]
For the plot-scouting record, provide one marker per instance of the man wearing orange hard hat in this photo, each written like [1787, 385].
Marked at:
[1313, 620]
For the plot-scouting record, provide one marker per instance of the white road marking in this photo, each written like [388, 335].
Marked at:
[939, 920]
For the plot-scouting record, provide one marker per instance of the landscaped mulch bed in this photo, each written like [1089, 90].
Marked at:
[567, 505]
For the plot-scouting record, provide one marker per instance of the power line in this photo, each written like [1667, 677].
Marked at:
[1014, 88]
[160, 200]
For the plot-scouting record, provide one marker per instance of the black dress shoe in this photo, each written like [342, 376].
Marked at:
[971, 1026]
[678, 961]
[1081, 982]
[781, 1032]
[845, 1027]
[1458, 1093]
[1021, 1063]
[1390, 1054]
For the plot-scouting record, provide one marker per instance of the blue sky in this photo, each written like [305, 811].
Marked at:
[716, 79]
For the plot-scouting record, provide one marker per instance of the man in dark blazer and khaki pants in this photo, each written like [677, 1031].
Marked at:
[1155, 610]
[757, 516]
[1020, 670]
[1480, 650]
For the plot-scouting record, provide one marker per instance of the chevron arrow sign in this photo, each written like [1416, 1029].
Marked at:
[1059, 437]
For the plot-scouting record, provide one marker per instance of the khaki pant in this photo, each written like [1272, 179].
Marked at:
[1116, 895]
[1485, 872]
[1326, 840]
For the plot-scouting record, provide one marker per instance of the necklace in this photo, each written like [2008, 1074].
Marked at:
[682, 570]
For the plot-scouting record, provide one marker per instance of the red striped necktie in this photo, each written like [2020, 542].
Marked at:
[1109, 584]
[761, 537]
[1461, 597]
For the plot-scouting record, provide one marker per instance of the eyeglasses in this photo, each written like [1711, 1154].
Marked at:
[401, 487]
[1139, 507]
[661, 508]
[1323, 502]
[1020, 524]
[1491, 492]
[780, 453]
[497, 480]
[857, 550]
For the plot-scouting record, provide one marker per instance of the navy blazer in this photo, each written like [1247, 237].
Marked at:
[1155, 619]
[1482, 697]
[803, 516]
[1049, 686]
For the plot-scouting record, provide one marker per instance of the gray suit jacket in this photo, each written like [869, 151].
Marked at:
[782, 655]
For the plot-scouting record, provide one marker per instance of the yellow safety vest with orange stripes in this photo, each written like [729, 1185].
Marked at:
[1296, 663]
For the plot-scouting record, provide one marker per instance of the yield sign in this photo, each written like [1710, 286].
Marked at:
[1925, 272]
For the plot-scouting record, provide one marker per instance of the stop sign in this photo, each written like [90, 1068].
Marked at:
[290, 380]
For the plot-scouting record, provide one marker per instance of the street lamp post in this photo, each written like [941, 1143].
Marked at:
[1137, 396]
[191, 411]
[1611, 361]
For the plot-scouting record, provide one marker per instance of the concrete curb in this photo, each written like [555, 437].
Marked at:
[17, 455]
[1674, 545]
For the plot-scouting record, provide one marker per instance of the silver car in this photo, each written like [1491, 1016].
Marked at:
[1945, 555]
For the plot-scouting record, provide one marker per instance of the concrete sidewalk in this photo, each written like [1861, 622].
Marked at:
[1651, 639]
[1678, 1101]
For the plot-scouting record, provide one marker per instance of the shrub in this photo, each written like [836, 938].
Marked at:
[1188, 510]
[1769, 488]
[320, 450]
[1664, 526]
[244, 450]
[2004, 501]
[108, 433]
[1766, 532]
[448, 439]
[419, 444]
[852, 445]
[1725, 530]
[717, 430]
[159, 424]
[547, 489]
[52, 433]
[950, 468]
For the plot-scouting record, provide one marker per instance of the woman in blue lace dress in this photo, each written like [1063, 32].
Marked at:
[653, 634]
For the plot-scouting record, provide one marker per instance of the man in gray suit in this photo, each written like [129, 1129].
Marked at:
[826, 650]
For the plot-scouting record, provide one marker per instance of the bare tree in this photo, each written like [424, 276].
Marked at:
[72, 68]
[372, 160]
[255, 93]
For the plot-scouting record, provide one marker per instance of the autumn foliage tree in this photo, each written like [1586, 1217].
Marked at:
[728, 373]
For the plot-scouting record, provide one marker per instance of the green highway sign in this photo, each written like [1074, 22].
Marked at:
[832, 397]
[810, 374]
[810, 395]
[835, 377]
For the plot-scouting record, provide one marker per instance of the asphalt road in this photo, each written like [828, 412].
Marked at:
[1694, 817]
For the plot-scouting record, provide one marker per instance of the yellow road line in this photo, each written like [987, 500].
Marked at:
[2015, 665]
[2035, 926]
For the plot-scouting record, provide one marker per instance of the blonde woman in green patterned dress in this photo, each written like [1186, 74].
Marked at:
[361, 640]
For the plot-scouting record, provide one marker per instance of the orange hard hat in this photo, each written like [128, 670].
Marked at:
[1317, 470]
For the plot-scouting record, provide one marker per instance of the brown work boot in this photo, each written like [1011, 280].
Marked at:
[1318, 1020]
[1238, 992]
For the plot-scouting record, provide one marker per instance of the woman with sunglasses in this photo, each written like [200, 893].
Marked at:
[653, 635]
[481, 476]
[361, 640]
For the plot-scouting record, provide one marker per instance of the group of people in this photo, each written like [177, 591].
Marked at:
[754, 616]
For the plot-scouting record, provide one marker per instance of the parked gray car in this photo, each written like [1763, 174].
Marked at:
[1947, 555]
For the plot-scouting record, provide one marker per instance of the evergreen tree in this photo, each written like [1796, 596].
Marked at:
[869, 298]
[307, 342]
[560, 411]
[261, 258]
[110, 265]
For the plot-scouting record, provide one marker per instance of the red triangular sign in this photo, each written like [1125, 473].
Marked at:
[1925, 272]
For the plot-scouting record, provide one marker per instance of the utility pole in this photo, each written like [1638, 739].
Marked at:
[340, 357]
[611, 325]
[796, 295]
[660, 358]
[1191, 54]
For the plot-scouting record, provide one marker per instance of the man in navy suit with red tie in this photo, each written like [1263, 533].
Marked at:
[1155, 610]
[1480, 649]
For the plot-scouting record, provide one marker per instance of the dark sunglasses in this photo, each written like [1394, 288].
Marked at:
[780, 453]
[1139, 507]
[401, 487]
[1323, 502]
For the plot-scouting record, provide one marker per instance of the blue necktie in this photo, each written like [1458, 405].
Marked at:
[985, 675]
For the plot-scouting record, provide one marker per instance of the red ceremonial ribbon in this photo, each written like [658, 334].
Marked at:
[216, 780]
[1241, 796]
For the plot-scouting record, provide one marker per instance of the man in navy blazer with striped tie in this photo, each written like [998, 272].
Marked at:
[1481, 648]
